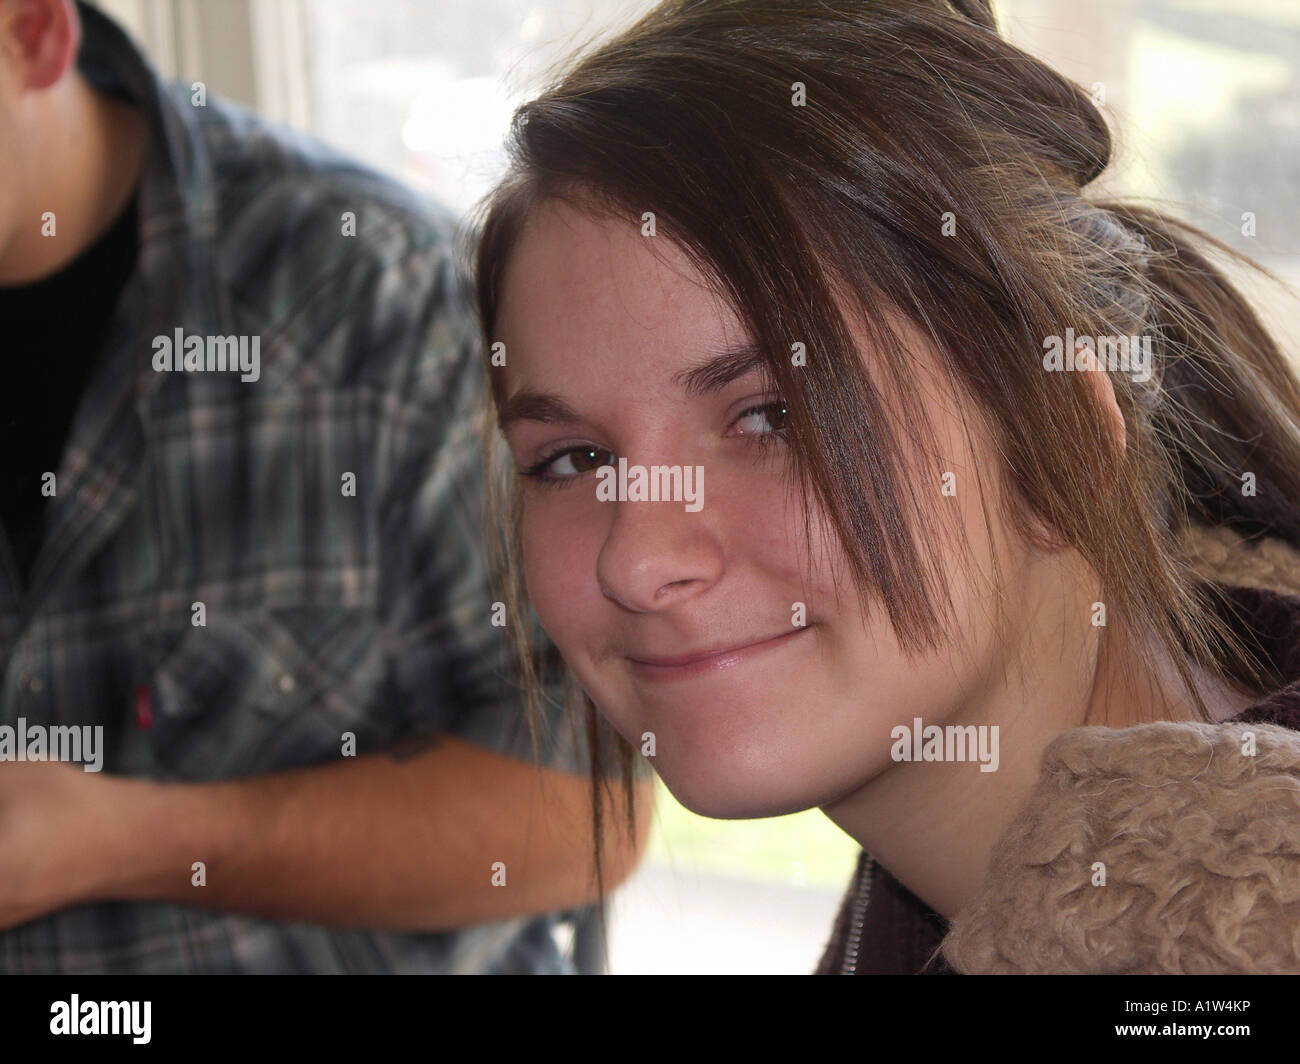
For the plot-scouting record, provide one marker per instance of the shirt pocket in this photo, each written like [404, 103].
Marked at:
[269, 689]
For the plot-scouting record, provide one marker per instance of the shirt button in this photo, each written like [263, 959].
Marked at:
[286, 683]
[33, 683]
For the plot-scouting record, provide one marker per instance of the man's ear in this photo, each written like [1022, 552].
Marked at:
[1085, 360]
[40, 38]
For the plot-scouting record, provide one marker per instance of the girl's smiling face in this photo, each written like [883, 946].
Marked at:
[683, 625]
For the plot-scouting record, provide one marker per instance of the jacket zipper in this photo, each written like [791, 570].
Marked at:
[860, 901]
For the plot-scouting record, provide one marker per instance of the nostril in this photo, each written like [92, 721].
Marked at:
[668, 588]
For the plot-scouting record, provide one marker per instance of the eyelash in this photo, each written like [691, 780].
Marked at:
[535, 472]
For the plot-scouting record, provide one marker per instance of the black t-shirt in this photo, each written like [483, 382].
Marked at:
[51, 334]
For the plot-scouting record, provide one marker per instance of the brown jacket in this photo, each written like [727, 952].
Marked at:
[1199, 845]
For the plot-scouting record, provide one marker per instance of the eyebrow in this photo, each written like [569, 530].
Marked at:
[717, 372]
[706, 378]
[535, 406]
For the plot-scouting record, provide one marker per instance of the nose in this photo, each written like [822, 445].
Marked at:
[657, 555]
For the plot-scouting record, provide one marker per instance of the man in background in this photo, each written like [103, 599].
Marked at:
[241, 556]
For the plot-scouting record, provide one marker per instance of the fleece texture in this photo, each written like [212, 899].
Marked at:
[1158, 849]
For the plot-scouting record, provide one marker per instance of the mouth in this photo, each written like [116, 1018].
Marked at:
[703, 662]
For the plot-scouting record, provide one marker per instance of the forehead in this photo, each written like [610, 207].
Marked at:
[589, 289]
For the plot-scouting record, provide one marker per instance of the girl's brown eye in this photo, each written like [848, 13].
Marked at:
[570, 463]
[588, 458]
[764, 419]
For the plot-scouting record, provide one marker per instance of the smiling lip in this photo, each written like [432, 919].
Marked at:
[709, 660]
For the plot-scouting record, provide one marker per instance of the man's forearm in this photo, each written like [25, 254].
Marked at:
[407, 842]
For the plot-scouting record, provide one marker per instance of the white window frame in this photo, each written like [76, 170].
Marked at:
[249, 51]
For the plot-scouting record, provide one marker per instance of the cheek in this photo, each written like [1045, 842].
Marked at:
[560, 544]
[759, 521]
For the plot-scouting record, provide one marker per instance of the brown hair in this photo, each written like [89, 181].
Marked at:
[916, 108]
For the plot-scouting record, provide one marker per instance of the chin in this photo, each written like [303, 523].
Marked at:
[721, 794]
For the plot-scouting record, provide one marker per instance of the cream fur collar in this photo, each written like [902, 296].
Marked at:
[1163, 848]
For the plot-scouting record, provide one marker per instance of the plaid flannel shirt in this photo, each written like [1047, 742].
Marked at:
[326, 612]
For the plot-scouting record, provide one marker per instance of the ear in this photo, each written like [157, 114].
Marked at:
[1086, 362]
[40, 38]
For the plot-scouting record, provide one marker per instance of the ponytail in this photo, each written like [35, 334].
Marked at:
[1229, 409]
